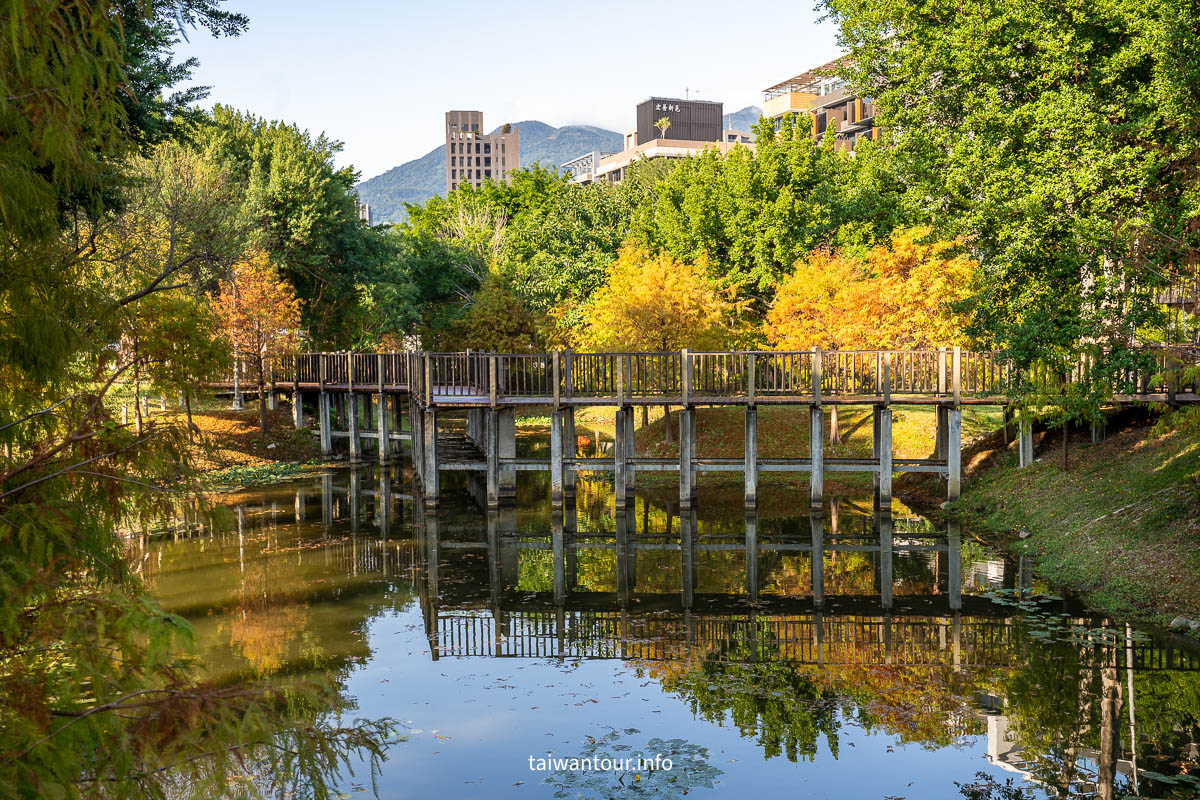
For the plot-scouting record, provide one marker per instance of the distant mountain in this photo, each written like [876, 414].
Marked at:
[417, 181]
[743, 120]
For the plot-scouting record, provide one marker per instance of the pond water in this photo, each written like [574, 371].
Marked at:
[843, 655]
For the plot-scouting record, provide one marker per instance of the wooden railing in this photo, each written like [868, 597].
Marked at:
[687, 378]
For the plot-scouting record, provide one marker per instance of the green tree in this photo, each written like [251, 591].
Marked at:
[95, 687]
[1060, 141]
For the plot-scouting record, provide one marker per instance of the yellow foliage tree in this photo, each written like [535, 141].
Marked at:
[653, 302]
[899, 296]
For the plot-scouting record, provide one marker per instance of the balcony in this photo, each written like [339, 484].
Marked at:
[780, 104]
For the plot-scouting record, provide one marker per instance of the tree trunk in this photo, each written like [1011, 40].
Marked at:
[137, 393]
[187, 404]
[668, 432]
[835, 432]
[645, 416]
[262, 401]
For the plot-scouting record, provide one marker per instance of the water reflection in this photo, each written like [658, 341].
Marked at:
[801, 633]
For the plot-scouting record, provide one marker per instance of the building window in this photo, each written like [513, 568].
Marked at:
[487, 147]
[487, 161]
[487, 173]
[478, 175]
[501, 148]
[477, 147]
[453, 173]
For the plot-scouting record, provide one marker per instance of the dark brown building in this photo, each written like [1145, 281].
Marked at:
[691, 120]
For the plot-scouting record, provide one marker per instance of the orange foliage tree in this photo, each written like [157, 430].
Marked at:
[261, 318]
[899, 296]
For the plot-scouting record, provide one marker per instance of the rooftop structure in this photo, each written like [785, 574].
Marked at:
[827, 101]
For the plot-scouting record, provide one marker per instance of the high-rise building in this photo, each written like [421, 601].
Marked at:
[472, 156]
[827, 102]
[667, 127]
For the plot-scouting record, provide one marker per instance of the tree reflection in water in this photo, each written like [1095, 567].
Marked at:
[787, 628]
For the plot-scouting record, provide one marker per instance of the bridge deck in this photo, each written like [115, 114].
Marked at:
[945, 376]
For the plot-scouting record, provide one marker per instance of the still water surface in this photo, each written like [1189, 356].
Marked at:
[902, 661]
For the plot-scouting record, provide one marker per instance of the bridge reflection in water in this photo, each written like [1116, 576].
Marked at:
[883, 607]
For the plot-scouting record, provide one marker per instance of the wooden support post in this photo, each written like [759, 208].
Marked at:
[941, 390]
[326, 423]
[750, 467]
[508, 449]
[383, 420]
[570, 476]
[1024, 442]
[492, 378]
[957, 375]
[835, 431]
[954, 455]
[619, 451]
[816, 449]
[556, 457]
[355, 439]
[687, 430]
[885, 458]
[1099, 430]
[432, 485]
[272, 398]
[493, 458]
[818, 368]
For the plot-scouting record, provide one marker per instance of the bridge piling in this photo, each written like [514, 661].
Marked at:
[884, 437]
[355, 440]
[326, 424]
[508, 449]
[750, 466]
[383, 422]
[570, 451]
[556, 458]
[430, 448]
[954, 454]
[619, 451]
[492, 452]
[816, 448]
[687, 475]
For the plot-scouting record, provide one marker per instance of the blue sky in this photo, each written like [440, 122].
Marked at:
[379, 75]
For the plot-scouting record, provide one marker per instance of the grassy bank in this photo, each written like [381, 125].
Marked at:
[1120, 525]
[228, 448]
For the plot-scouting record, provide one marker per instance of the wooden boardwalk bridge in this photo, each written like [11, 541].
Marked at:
[366, 396]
